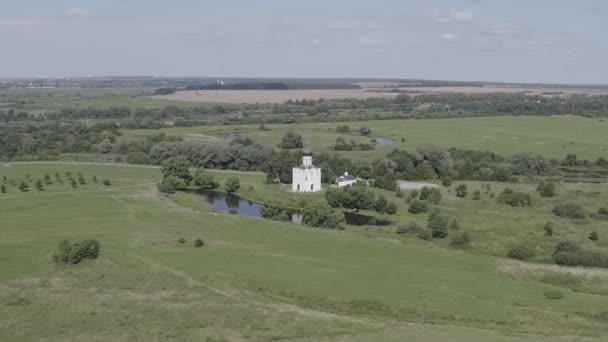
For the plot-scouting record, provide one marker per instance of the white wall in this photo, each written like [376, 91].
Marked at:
[308, 179]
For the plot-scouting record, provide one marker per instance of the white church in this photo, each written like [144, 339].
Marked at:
[306, 177]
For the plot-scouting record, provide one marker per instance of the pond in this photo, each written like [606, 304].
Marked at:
[384, 142]
[233, 203]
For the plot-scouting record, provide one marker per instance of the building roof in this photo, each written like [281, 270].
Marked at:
[346, 178]
[307, 153]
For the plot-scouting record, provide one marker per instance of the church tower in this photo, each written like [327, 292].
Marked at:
[306, 177]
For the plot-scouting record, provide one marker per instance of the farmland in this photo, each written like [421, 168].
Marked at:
[246, 282]
[550, 136]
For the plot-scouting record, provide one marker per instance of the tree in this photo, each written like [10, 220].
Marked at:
[47, 179]
[81, 180]
[351, 197]
[380, 204]
[461, 240]
[521, 252]
[391, 208]
[39, 185]
[546, 189]
[438, 224]
[73, 253]
[199, 243]
[205, 180]
[232, 185]
[594, 236]
[548, 228]
[291, 140]
[105, 146]
[23, 187]
[166, 187]
[417, 207]
[569, 210]
[476, 195]
[3, 188]
[73, 183]
[106, 182]
[461, 190]
[365, 131]
[177, 167]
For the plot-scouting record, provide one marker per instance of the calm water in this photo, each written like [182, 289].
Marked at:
[227, 135]
[233, 203]
[384, 142]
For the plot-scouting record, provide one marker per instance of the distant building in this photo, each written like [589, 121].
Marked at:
[345, 180]
[307, 177]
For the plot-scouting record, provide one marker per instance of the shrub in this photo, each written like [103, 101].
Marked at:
[569, 210]
[446, 181]
[204, 180]
[548, 228]
[593, 236]
[39, 185]
[461, 240]
[417, 207]
[291, 140]
[438, 224]
[515, 198]
[232, 185]
[199, 243]
[73, 183]
[410, 228]
[380, 204]
[477, 195]
[73, 253]
[432, 195]
[555, 295]
[461, 190]
[106, 182]
[601, 214]
[391, 208]
[425, 234]
[546, 189]
[521, 252]
[81, 180]
[166, 187]
[181, 240]
[23, 187]
[3, 188]
[571, 254]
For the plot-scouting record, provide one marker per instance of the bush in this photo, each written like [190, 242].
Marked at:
[461, 190]
[106, 182]
[232, 185]
[546, 189]
[181, 240]
[39, 185]
[432, 195]
[391, 208]
[23, 187]
[291, 140]
[166, 187]
[593, 236]
[204, 180]
[69, 253]
[521, 253]
[461, 240]
[601, 214]
[438, 224]
[548, 228]
[410, 228]
[555, 295]
[477, 195]
[417, 207]
[199, 243]
[571, 254]
[569, 210]
[515, 198]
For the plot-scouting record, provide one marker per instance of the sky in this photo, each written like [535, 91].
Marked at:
[537, 41]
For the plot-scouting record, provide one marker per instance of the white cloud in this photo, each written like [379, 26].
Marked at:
[448, 17]
[78, 12]
[448, 37]
[370, 41]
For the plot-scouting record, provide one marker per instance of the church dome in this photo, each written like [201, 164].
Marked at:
[307, 153]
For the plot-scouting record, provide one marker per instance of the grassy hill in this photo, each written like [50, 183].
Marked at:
[254, 279]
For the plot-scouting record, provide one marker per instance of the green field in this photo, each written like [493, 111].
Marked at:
[261, 280]
[551, 136]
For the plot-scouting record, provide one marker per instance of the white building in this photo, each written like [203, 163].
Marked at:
[307, 177]
[345, 180]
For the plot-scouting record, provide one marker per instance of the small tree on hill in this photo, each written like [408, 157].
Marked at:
[365, 131]
[39, 185]
[548, 228]
[177, 167]
[291, 140]
[205, 180]
[594, 236]
[3, 188]
[232, 185]
[81, 180]
[24, 187]
[461, 190]
[73, 183]
[106, 182]
[47, 179]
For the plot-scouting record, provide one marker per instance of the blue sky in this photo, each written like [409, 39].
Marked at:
[515, 41]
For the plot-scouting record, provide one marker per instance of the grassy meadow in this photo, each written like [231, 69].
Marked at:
[551, 136]
[262, 280]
